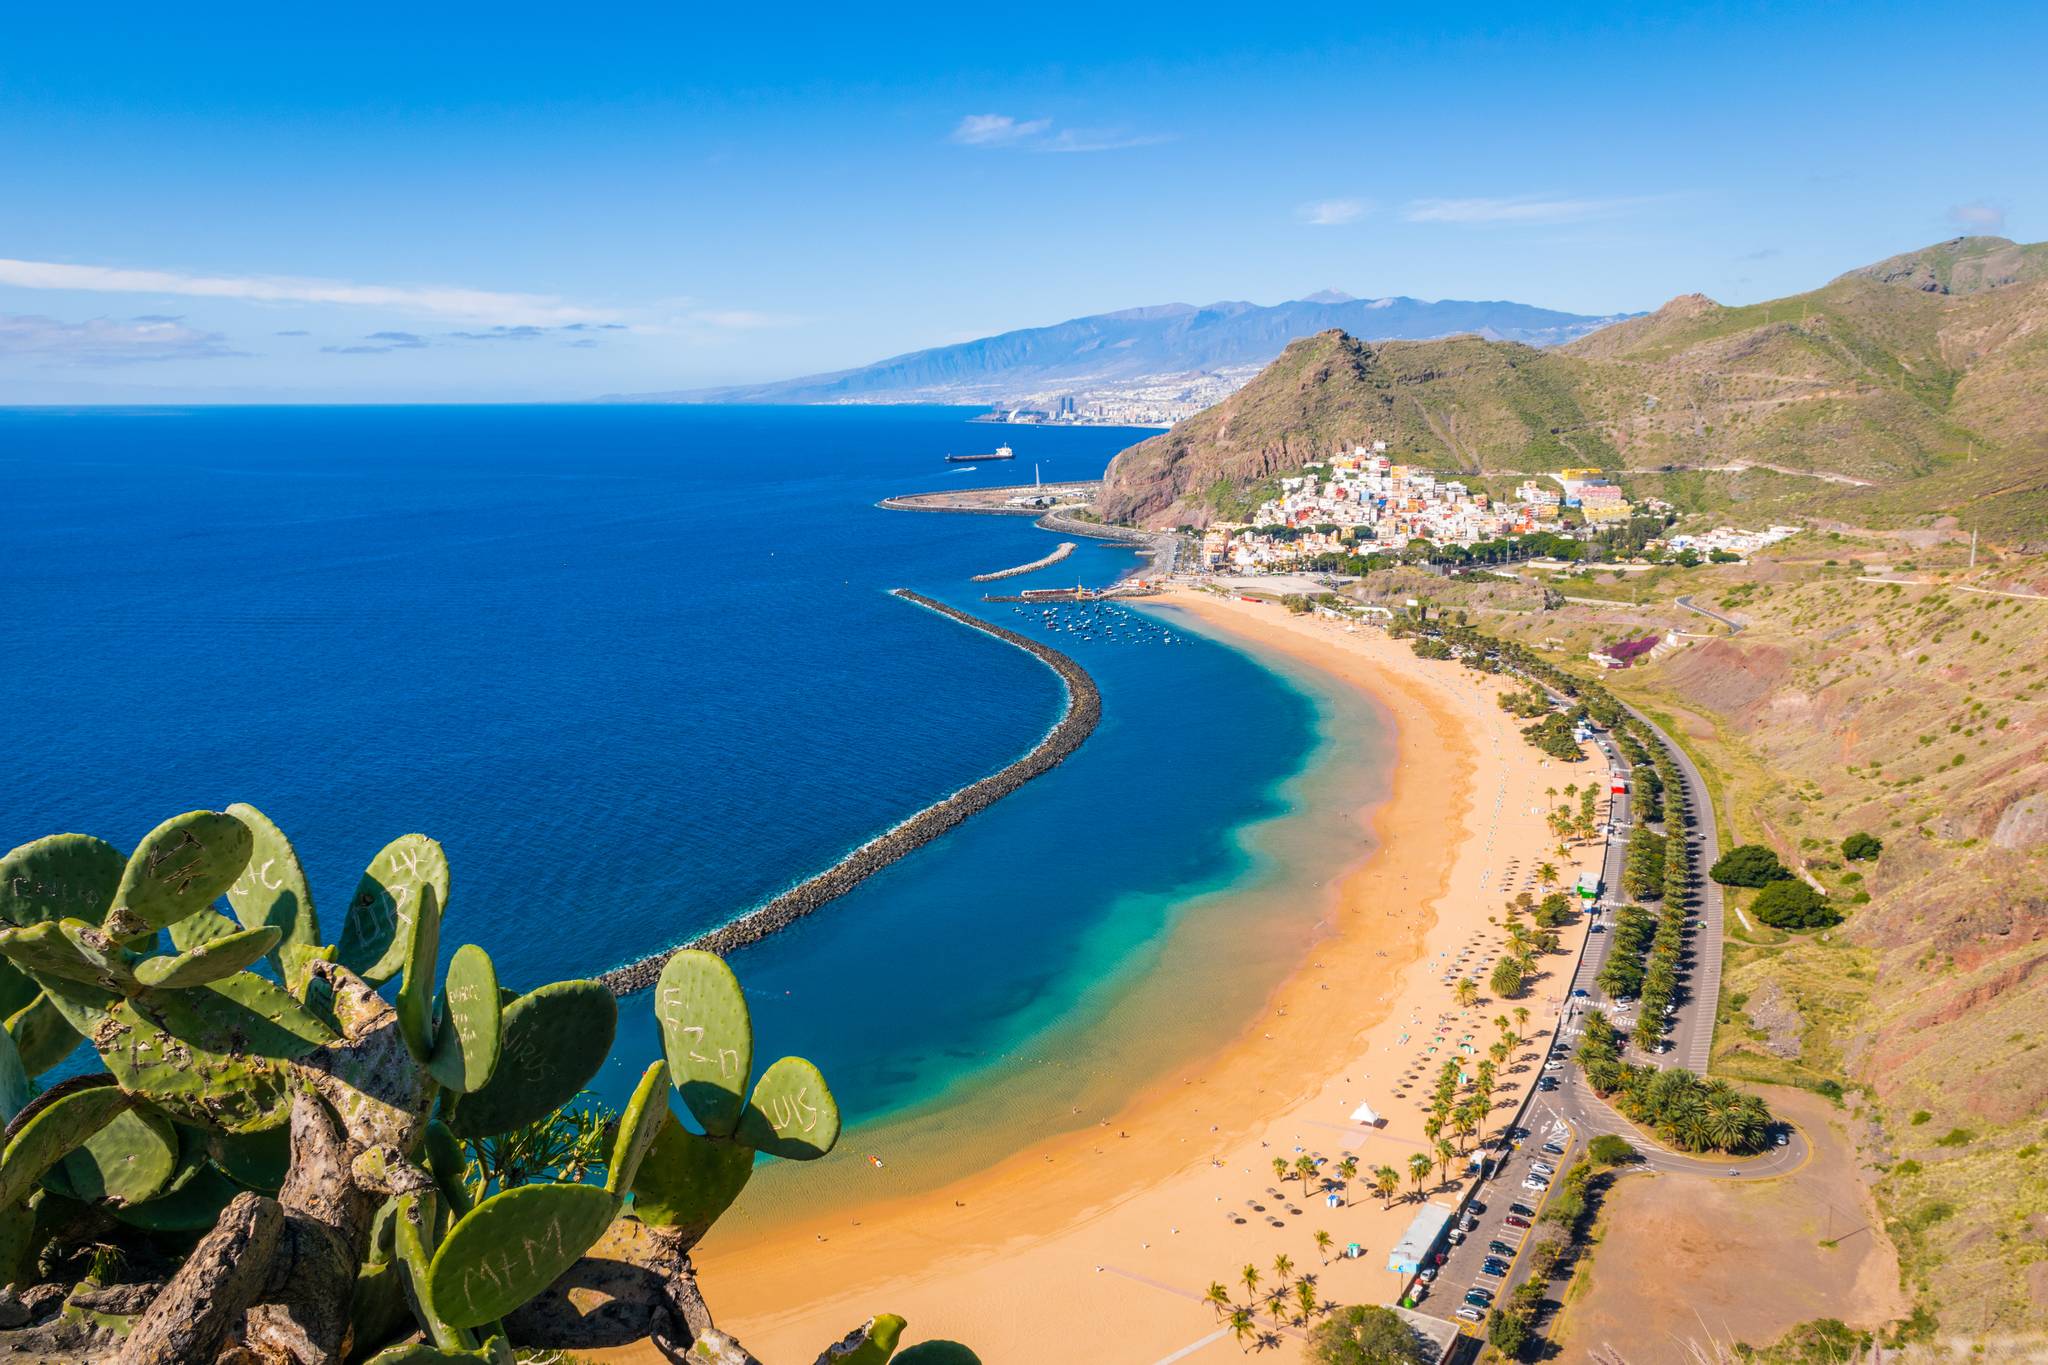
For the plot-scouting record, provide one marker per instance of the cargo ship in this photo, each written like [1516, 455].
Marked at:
[1002, 453]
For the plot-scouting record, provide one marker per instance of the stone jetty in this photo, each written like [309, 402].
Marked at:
[1066, 548]
[1084, 709]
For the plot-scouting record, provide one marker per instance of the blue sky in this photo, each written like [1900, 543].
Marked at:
[452, 203]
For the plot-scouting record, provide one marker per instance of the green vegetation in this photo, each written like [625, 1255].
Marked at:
[1643, 874]
[1748, 865]
[1862, 846]
[1552, 734]
[1610, 1149]
[257, 1086]
[1794, 905]
[1691, 1114]
[1364, 1335]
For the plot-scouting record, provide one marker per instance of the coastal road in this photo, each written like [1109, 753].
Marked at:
[1734, 626]
[1691, 1037]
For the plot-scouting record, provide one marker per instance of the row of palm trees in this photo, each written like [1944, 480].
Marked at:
[1286, 1299]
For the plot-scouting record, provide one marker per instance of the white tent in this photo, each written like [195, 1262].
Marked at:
[1364, 1114]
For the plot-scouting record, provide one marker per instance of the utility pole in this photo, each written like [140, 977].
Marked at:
[1973, 549]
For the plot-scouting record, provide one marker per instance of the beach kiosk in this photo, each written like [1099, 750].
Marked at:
[1411, 1253]
[1364, 1114]
[1589, 886]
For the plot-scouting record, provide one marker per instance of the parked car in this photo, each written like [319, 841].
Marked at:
[1547, 1083]
[1554, 1148]
[1428, 1273]
[1475, 1207]
[1522, 1209]
[1582, 995]
[1536, 1182]
[1478, 1298]
[1499, 1248]
[1470, 1313]
[1494, 1270]
[1784, 1140]
[1597, 929]
[1542, 1168]
[1515, 1221]
[1455, 1236]
[1553, 1065]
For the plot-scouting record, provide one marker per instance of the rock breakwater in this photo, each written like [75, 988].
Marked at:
[1084, 710]
[1066, 548]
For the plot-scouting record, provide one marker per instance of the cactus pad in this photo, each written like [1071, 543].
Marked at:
[211, 1055]
[197, 929]
[512, 1246]
[638, 1126]
[71, 949]
[708, 1036]
[272, 889]
[687, 1180]
[14, 1085]
[17, 1238]
[210, 960]
[49, 1130]
[183, 865]
[71, 875]
[416, 987]
[448, 1164]
[256, 1161]
[555, 1039]
[872, 1344]
[42, 1035]
[792, 1113]
[378, 930]
[470, 1031]
[126, 1162]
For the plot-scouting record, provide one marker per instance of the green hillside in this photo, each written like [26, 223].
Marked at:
[1932, 366]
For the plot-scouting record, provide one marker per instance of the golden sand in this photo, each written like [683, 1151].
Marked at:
[1098, 1246]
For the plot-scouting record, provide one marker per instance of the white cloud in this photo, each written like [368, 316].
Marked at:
[1978, 215]
[1037, 135]
[108, 341]
[1519, 209]
[1332, 212]
[472, 304]
[998, 130]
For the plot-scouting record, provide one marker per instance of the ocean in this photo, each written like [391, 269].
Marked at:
[637, 669]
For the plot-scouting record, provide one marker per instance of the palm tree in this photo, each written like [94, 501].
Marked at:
[1250, 1276]
[1242, 1324]
[1499, 1052]
[1386, 1180]
[1432, 1125]
[1500, 1021]
[1305, 1295]
[1550, 793]
[1465, 992]
[1466, 1122]
[1347, 1170]
[1445, 1155]
[1418, 1170]
[1280, 1168]
[1521, 1018]
[1305, 1167]
[1323, 1244]
[1283, 1266]
[1547, 873]
[1218, 1297]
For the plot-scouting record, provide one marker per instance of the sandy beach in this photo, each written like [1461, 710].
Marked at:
[1098, 1246]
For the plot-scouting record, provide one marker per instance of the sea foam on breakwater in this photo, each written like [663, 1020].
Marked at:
[1084, 709]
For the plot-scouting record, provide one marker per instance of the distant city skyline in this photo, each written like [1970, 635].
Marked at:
[237, 204]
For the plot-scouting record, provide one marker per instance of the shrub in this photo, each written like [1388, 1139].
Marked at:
[1861, 847]
[1507, 1331]
[1794, 905]
[1364, 1334]
[1507, 978]
[1610, 1149]
[1748, 865]
[1955, 1137]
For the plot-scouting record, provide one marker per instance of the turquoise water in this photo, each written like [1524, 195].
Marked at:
[636, 667]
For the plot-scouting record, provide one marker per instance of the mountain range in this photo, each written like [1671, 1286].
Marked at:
[1927, 371]
[1164, 340]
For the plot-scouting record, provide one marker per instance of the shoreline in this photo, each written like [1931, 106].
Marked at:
[1077, 721]
[1128, 1222]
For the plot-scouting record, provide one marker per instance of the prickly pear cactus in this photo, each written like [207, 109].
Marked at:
[687, 1181]
[128, 1161]
[638, 1127]
[792, 1113]
[50, 1129]
[378, 931]
[708, 1036]
[469, 1033]
[416, 984]
[555, 1039]
[183, 865]
[872, 1343]
[234, 951]
[936, 1353]
[273, 892]
[509, 1248]
[63, 876]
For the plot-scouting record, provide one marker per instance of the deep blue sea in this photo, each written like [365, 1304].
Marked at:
[637, 669]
